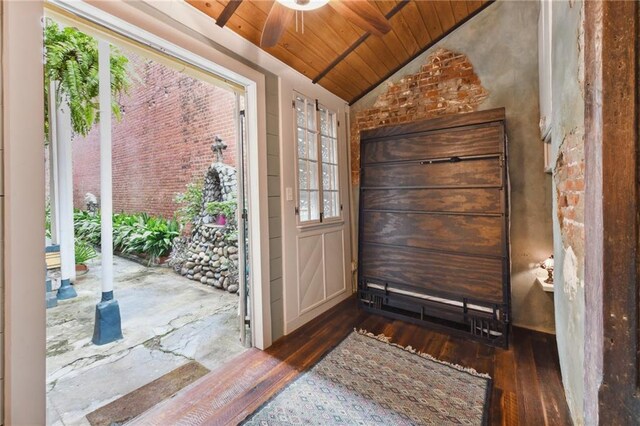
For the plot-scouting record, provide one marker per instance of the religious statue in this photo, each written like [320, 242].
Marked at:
[217, 147]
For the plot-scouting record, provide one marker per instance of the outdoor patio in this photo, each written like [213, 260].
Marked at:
[167, 321]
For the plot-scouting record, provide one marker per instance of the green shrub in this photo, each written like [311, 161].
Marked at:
[154, 238]
[87, 226]
[47, 220]
[226, 208]
[139, 234]
[84, 251]
[232, 236]
[190, 202]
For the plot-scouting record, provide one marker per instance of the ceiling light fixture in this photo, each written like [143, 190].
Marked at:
[303, 5]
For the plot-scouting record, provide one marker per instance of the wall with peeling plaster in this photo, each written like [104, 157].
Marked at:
[501, 44]
[568, 218]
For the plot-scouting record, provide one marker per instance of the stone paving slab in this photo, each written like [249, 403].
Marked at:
[167, 321]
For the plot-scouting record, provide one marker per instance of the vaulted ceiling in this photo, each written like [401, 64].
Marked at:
[339, 55]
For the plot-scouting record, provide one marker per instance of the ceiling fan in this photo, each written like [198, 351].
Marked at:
[360, 12]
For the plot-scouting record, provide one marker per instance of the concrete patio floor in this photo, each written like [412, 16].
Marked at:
[167, 321]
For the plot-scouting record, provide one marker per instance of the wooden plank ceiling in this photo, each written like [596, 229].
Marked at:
[339, 55]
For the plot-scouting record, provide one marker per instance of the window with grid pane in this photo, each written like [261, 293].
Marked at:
[306, 134]
[329, 160]
[317, 158]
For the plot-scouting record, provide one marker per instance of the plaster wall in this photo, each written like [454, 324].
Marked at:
[567, 136]
[501, 44]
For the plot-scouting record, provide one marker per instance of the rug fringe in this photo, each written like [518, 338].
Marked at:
[387, 340]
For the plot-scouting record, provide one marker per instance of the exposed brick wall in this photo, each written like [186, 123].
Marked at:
[446, 84]
[569, 179]
[162, 142]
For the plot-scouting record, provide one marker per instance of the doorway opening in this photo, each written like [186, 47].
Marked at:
[180, 238]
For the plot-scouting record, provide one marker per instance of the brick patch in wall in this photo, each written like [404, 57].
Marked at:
[162, 142]
[445, 84]
[569, 179]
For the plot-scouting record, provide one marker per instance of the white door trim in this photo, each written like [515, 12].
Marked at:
[23, 227]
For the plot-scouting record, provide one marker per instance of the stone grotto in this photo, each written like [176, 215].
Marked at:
[210, 253]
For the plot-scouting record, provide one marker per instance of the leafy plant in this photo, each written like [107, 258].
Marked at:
[84, 251]
[71, 59]
[87, 226]
[139, 234]
[226, 208]
[232, 236]
[190, 202]
[124, 228]
[154, 238]
[47, 220]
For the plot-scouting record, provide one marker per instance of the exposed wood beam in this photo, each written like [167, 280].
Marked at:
[420, 52]
[227, 12]
[397, 8]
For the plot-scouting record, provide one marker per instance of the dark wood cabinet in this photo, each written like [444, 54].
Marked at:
[434, 224]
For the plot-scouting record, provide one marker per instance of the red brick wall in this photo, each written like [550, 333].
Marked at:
[446, 84]
[162, 142]
[569, 179]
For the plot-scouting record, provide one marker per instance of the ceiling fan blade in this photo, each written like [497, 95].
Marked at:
[363, 14]
[276, 24]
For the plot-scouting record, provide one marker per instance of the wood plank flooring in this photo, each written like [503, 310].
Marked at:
[527, 388]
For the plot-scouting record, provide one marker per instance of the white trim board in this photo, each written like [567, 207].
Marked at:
[23, 268]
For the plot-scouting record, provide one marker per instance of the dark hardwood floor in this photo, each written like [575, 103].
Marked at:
[527, 387]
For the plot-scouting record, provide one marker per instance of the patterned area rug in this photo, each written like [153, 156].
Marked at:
[366, 380]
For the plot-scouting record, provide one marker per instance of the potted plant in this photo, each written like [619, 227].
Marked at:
[222, 210]
[84, 253]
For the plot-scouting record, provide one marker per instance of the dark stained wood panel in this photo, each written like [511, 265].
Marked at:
[482, 173]
[328, 36]
[460, 142]
[612, 228]
[448, 233]
[476, 200]
[440, 273]
[435, 124]
[433, 222]
[526, 384]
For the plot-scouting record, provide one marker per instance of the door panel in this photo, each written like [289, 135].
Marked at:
[310, 272]
[334, 245]
[316, 254]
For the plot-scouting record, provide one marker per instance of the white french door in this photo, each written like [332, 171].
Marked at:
[316, 216]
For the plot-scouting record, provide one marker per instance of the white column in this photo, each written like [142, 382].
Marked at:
[53, 166]
[106, 208]
[65, 191]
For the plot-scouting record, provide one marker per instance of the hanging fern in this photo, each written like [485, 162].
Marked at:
[71, 59]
